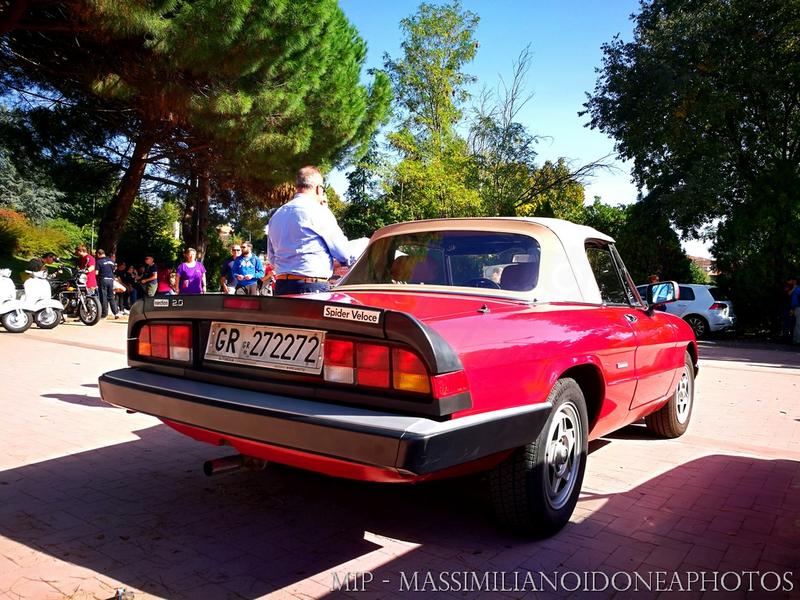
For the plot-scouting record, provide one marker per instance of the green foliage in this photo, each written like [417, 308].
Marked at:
[12, 228]
[368, 207]
[20, 236]
[698, 274]
[430, 88]
[561, 196]
[503, 149]
[429, 84]
[705, 102]
[246, 90]
[216, 254]
[149, 230]
[646, 241]
[73, 235]
[23, 186]
[58, 181]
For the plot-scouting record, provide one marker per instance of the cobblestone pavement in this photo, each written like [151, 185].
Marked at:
[93, 499]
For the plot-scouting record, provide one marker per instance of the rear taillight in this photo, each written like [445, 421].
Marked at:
[168, 341]
[378, 366]
[373, 365]
[718, 306]
[410, 374]
[339, 361]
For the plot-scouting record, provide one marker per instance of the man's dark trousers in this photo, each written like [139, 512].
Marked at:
[107, 296]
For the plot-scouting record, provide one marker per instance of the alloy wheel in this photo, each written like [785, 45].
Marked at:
[563, 455]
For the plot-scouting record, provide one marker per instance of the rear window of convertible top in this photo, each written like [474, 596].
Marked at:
[451, 258]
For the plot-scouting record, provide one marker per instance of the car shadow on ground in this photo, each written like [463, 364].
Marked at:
[142, 514]
[81, 399]
[758, 354]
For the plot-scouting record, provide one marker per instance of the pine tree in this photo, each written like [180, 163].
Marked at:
[256, 88]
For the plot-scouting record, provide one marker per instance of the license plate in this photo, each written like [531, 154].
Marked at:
[265, 346]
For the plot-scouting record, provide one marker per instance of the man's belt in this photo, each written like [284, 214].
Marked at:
[303, 278]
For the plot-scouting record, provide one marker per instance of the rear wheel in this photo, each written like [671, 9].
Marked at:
[699, 325]
[536, 488]
[89, 310]
[672, 420]
[17, 321]
[47, 318]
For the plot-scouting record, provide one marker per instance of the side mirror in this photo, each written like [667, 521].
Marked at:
[662, 293]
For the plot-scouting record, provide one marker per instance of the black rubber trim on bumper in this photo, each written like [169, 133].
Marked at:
[415, 445]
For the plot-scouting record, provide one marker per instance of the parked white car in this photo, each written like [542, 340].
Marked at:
[704, 307]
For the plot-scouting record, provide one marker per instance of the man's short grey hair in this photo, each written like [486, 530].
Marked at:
[308, 178]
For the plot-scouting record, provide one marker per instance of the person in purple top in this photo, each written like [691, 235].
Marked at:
[191, 274]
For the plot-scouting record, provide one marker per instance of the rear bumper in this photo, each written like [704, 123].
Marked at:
[720, 323]
[407, 444]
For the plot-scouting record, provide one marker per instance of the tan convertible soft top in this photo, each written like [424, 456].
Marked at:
[565, 274]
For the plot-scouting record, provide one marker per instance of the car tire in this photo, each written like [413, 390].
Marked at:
[699, 325]
[535, 490]
[89, 314]
[672, 419]
[17, 321]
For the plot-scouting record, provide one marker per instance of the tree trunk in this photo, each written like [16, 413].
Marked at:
[189, 211]
[117, 212]
[194, 227]
[12, 16]
[203, 199]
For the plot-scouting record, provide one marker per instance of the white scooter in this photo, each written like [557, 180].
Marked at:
[38, 300]
[14, 314]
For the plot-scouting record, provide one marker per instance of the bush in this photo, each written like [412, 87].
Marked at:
[20, 236]
[12, 227]
[149, 230]
[73, 234]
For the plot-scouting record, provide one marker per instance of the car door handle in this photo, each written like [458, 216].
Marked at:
[631, 318]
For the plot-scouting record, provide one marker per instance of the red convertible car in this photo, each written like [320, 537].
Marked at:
[452, 346]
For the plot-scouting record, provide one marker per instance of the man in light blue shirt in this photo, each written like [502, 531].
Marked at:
[304, 239]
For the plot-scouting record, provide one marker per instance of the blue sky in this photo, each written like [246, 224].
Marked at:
[565, 40]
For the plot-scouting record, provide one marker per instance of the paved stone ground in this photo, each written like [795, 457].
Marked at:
[93, 499]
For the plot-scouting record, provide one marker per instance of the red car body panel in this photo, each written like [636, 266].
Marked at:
[517, 352]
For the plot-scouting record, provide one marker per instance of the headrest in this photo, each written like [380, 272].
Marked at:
[520, 277]
[401, 269]
[426, 270]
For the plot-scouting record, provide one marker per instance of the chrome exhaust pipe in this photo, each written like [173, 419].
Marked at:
[231, 464]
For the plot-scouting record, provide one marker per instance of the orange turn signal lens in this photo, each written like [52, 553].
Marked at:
[409, 373]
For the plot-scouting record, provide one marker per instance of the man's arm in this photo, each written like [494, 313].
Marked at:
[259, 266]
[226, 268]
[270, 252]
[236, 270]
[328, 229]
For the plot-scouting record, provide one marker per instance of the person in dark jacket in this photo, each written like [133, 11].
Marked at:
[105, 282]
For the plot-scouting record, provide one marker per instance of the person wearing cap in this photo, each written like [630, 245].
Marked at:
[304, 239]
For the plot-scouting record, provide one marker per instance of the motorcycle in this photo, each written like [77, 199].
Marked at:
[69, 288]
[38, 300]
[13, 312]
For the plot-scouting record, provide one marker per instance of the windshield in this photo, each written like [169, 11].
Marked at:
[482, 259]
